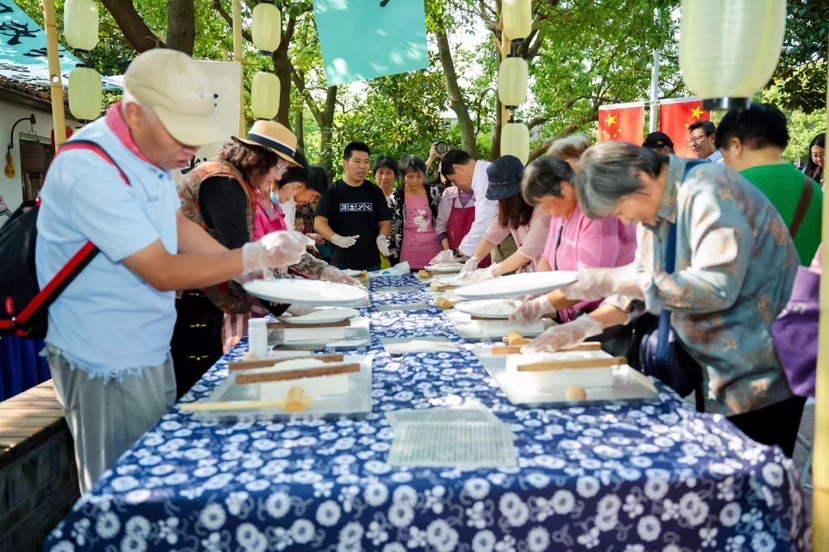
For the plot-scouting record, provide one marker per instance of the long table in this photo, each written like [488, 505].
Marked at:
[633, 478]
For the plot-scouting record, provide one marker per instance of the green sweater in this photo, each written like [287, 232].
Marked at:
[783, 185]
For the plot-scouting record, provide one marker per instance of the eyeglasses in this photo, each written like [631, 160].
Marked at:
[697, 140]
[817, 156]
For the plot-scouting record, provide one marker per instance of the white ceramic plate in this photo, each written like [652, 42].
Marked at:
[528, 283]
[448, 279]
[445, 268]
[498, 309]
[351, 272]
[307, 292]
[323, 316]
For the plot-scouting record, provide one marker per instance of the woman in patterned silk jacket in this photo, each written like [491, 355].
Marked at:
[734, 269]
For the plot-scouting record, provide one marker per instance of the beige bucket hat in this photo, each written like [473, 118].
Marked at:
[179, 91]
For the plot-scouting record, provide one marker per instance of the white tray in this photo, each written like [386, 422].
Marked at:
[533, 389]
[478, 330]
[345, 337]
[356, 401]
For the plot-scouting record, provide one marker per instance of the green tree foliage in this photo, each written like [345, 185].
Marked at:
[800, 78]
[581, 53]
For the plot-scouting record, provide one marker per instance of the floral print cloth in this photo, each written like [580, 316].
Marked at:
[634, 478]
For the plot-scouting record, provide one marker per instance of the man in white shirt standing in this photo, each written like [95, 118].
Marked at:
[469, 175]
[702, 138]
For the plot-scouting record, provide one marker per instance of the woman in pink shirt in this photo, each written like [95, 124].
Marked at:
[529, 226]
[414, 239]
[574, 241]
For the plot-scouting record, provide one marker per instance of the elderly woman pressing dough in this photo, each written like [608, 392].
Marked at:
[734, 269]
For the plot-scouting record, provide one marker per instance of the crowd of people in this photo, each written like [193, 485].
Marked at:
[706, 241]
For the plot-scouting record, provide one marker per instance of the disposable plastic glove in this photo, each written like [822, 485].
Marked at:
[492, 271]
[344, 241]
[527, 312]
[274, 250]
[469, 267]
[331, 274]
[383, 245]
[597, 283]
[564, 335]
[445, 256]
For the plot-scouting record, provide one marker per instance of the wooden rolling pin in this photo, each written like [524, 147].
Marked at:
[551, 365]
[297, 401]
[287, 375]
[253, 364]
[516, 349]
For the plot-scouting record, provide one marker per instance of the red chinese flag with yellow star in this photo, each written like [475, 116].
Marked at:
[622, 122]
[675, 116]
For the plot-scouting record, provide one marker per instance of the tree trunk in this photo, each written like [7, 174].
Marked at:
[132, 25]
[181, 26]
[495, 153]
[299, 128]
[282, 67]
[329, 156]
[456, 99]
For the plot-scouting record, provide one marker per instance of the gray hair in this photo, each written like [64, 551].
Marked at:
[543, 178]
[571, 146]
[610, 172]
[128, 99]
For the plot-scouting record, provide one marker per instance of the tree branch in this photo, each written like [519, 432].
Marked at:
[136, 31]
[299, 82]
[217, 5]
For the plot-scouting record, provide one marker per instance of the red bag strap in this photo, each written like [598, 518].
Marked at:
[77, 263]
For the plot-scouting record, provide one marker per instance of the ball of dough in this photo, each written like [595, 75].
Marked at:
[444, 303]
[575, 394]
[249, 356]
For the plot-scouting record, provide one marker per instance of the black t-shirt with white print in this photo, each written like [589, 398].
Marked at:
[351, 211]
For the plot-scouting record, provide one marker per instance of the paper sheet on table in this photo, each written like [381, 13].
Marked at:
[478, 414]
[463, 446]
[435, 344]
[403, 307]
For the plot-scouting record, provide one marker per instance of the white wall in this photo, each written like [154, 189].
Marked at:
[12, 189]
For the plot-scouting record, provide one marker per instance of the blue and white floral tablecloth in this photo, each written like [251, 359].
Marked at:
[652, 477]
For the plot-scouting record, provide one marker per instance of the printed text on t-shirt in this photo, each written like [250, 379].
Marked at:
[362, 207]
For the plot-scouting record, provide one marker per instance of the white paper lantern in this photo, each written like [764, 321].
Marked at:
[515, 140]
[512, 81]
[518, 18]
[264, 95]
[266, 31]
[80, 24]
[728, 49]
[85, 94]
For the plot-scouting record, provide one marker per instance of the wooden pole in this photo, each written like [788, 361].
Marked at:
[55, 81]
[820, 448]
[237, 56]
[505, 50]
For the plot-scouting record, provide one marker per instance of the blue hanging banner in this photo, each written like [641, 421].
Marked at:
[23, 49]
[368, 39]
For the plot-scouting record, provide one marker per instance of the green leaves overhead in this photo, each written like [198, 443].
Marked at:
[581, 54]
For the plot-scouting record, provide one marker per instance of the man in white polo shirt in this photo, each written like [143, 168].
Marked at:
[109, 331]
[469, 175]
